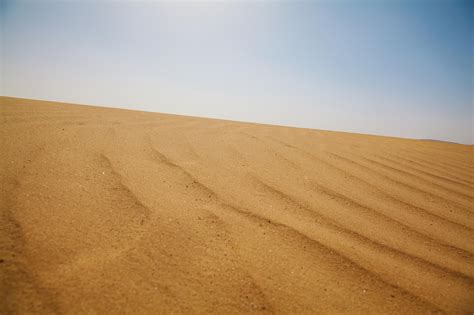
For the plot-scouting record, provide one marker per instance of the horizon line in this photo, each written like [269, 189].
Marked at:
[235, 120]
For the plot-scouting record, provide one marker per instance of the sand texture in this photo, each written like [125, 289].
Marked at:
[116, 211]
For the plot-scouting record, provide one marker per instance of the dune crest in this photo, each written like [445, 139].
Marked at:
[108, 210]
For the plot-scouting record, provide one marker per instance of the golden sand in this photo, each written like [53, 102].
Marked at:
[117, 211]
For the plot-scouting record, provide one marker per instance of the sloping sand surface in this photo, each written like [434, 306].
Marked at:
[115, 211]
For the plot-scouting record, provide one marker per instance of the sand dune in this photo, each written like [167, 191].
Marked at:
[107, 210]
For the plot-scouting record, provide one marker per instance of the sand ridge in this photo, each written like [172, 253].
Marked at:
[109, 210]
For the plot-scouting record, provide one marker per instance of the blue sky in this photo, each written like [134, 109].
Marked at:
[399, 68]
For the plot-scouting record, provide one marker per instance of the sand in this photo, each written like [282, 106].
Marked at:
[116, 211]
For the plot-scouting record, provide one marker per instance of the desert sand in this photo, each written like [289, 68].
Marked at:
[117, 211]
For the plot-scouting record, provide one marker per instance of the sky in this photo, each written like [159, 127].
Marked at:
[389, 67]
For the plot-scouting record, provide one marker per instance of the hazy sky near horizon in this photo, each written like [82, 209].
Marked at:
[398, 68]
